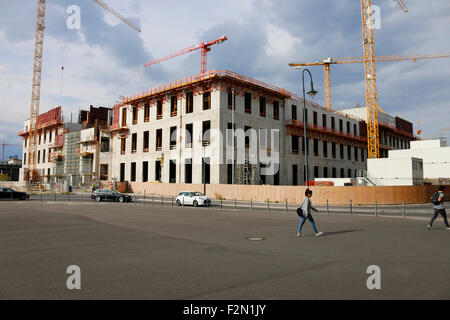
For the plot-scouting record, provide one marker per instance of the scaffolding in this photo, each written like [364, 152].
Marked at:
[247, 173]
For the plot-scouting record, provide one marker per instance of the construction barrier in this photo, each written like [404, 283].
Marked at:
[358, 195]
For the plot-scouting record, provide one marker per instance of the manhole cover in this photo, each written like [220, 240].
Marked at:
[255, 238]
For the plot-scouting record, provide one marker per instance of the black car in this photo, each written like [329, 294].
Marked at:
[109, 195]
[10, 194]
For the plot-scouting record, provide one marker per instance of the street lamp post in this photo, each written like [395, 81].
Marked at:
[312, 93]
[200, 139]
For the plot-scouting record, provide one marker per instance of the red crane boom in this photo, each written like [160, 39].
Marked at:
[204, 46]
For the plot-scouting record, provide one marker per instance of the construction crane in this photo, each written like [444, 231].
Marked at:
[204, 46]
[370, 78]
[32, 174]
[327, 62]
[4, 144]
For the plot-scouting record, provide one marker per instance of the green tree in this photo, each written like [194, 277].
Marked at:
[4, 177]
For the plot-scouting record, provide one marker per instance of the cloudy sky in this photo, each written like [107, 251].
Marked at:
[105, 57]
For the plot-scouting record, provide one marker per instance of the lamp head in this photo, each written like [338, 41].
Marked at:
[312, 93]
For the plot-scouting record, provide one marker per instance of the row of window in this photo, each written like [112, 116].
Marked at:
[206, 126]
[323, 172]
[206, 105]
[43, 137]
[324, 122]
[350, 155]
[38, 159]
[206, 171]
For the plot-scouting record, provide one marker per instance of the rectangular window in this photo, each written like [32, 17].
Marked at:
[230, 100]
[306, 115]
[348, 127]
[124, 117]
[342, 173]
[43, 156]
[316, 172]
[349, 153]
[188, 138]
[144, 171]
[314, 118]
[248, 103]
[229, 173]
[157, 170]
[146, 141]
[122, 172]
[206, 128]
[133, 171]
[325, 172]
[294, 175]
[172, 171]
[24, 159]
[316, 147]
[262, 107]
[104, 145]
[159, 110]
[356, 154]
[355, 130]
[362, 155]
[333, 151]
[349, 172]
[158, 139]
[276, 110]
[39, 138]
[207, 100]
[206, 172]
[173, 106]
[294, 112]
[123, 142]
[324, 120]
[188, 171]
[173, 138]
[146, 112]
[50, 137]
[135, 115]
[341, 150]
[45, 137]
[133, 142]
[294, 140]
[247, 136]
[325, 149]
[333, 172]
[48, 171]
[341, 126]
[333, 125]
[189, 102]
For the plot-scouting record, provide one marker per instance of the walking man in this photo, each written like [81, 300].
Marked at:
[306, 209]
[439, 209]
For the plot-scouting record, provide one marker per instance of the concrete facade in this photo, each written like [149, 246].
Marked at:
[337, 146]
[395, 171]
[436, 159]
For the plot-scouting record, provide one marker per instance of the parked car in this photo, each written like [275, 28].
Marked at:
[194, 198]
[110, 195]
[8, 193]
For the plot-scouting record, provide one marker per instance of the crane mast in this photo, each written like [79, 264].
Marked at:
[32, 173]
[370, 79]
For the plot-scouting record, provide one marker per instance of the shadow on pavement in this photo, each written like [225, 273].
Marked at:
[340, 232]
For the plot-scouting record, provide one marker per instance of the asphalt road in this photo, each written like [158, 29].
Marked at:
[414, 210]
[132, 251]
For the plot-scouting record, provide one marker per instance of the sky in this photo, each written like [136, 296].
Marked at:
[104, 59]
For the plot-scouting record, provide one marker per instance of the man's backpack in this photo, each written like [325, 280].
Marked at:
[434, 199]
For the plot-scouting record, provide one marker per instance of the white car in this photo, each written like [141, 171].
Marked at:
[193, 198]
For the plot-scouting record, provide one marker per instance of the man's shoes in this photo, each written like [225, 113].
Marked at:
[448, 228]
[318, 234]
[299, 235]
[428, 227]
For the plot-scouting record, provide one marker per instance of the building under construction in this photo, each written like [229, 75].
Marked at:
[222, 127]
[64, 149]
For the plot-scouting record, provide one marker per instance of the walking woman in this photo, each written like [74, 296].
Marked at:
[306, 209]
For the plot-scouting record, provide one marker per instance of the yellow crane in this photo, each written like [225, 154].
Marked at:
[32, 174]
[327, 62]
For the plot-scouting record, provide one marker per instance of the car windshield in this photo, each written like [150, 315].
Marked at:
[197, 194]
